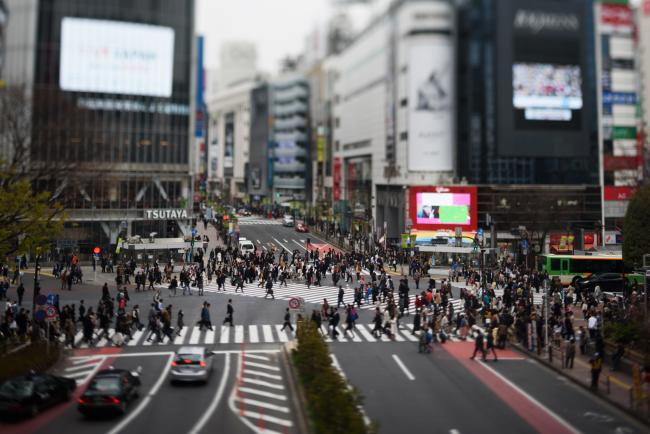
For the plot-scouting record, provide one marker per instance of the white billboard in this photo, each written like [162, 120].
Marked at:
[116, 57]
[431, 96]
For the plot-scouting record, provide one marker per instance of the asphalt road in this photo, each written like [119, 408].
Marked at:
[404, 391]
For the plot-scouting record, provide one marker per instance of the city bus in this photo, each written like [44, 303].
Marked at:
[571, 267]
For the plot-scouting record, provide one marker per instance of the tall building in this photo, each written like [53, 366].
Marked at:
[290, 138]
[112, 85]
[393, 111]
[4, 17]
[260, 165]
[643, 26]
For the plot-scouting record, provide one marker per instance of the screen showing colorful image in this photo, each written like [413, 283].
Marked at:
[547, 92]
[443, 208]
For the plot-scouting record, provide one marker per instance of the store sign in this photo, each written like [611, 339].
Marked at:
[619, 163]
[336, 179]
[617, 15]
[537, 21]
[618, 193]
[626, 98]
[165, 214]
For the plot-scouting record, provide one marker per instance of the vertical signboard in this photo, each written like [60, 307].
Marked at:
[229, 141]
[336, 179]
[431, 122]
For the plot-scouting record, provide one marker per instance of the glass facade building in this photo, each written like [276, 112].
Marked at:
[114, 149]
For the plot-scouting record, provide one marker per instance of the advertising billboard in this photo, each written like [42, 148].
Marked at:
[116, 57]
[542, 59]
[450, 207]
[431, 95]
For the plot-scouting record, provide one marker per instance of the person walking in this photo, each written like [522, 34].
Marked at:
[269, 289]
[378, 321]
[478, 346]
[21, 293]
[179, 322]
[570, 353]
[490, 344]
[287, 321]
[341, 295]
[229, 313]
[205, 317]
[596, 362]
[334, 323]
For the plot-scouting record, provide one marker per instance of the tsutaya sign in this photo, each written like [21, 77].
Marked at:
[165, 214]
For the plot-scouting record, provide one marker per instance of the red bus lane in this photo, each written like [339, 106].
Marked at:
[539, 417]
[48, 416]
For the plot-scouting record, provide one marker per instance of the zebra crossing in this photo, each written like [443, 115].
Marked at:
[246, 334]
[314, 294]
[245, 221]
[538, 298]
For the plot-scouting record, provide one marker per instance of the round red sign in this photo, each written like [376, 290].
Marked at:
[97, 250]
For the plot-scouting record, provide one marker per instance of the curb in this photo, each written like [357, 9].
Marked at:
[579, 383]
[303, 422]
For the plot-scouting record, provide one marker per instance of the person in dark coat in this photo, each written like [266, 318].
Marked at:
[478, 345]
[417, 321]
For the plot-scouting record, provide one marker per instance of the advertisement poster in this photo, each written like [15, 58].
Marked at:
[229, 141]
[431, 96]
[440, 207]
[336, 179]
[116, 57]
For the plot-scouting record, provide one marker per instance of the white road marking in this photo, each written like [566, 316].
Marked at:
[263, 393]
[403, 367]
[135, 338]
[225, 335]
[252, 334]
[257, 357]
[262, 383]
[78, 367]
[262, 374]
[179, 339]
[215, 401]
[337, 366]
[366, 334]
[141, 406]
[258, 242]
[239, 334]
[283, 246]
[281, 334]
[554, 415]
[267, 418]
[268, 333]
[209, 336]
[256, 403]
[194, 338]
[454, 431]
[86, 359]
[300, 245]
[76, 375]
[262, 365]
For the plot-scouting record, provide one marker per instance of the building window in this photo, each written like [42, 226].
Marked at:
[403, 102]
[403, 136]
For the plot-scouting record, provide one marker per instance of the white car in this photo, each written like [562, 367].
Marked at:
[192, 364]
[246, 245]
[287, 221]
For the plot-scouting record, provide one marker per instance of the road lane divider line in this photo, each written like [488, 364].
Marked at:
[145, 401]
[283, 246]
[300, 245]
[215, 401]
[403, 367]
[337, 366]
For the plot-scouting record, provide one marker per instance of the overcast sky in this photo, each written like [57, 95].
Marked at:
[278, 27]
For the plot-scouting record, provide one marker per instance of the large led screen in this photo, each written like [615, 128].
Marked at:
[443, 207]
[116, 57]
[547, 92]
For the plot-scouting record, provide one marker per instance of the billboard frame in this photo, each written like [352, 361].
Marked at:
[473, 209]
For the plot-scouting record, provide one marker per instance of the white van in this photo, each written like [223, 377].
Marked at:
[246, 245]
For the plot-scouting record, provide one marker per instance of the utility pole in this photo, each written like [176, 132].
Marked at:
[546, 291]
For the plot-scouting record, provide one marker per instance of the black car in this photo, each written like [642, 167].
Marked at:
[110, 391]
[610, 282]
[28, 394]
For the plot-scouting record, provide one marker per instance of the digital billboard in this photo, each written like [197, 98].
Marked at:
[116, 57]
[546, 92]
[450, 207]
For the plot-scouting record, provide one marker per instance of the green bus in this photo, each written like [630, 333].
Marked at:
[570, 267]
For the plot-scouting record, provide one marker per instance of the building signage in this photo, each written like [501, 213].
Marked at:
[618, 193]
[165, 214]
[336, 179]
[627, 98]
[612, 163]
[436, 208]
[538, 21]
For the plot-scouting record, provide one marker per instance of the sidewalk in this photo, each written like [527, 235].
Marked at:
[615, 387]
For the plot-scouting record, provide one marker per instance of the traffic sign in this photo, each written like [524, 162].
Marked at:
[39, 315]
[41, 299]
[97, 250]
[479, 232]
[53, 299]
[294, 303]
[524, 244]
[194, 232]
[50, 312]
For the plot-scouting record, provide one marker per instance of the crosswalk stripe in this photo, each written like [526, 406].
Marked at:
[179, 339]
[408, 334]
[78, 337]
[341, 337]
[135, 338]
[326, 333]
[225, 334]
[252, 334]
[239, 334]
[268, 333]
[281, 334]
[366, 334]
[196, 334]
[209, 336]
[355, 334]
